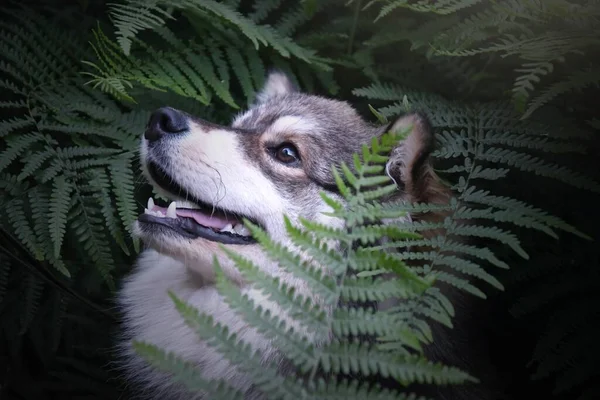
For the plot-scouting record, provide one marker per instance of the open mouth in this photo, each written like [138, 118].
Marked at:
[193, 219]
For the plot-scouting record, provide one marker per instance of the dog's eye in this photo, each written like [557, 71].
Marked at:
[287, 154]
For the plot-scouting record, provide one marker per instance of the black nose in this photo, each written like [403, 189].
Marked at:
[165, 121]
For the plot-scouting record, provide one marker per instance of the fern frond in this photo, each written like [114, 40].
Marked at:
[348, 389]
[442, 7]
[122, 178]
[16, 146]
[34, 162]
[22, 227]
[363, 359]
[529, 163]
[362, 290]
[262, 9]
[152, 16]
[495, 233]
[524, 84]
[185, 373]
[57, 134]
[237, 352]
[39, 203]
[322, 284]
[293, 19]
[87, 225]
[304, 310]
[518, 207]
[293, 343]
[363, 321]
[576, 81]
[134, 16]
[238, 64]
[459, 283]
[59, 207]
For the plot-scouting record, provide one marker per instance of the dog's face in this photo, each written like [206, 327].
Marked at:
[273, 160]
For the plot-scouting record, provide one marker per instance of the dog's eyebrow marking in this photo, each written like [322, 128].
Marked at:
[242, 117]
[292, 123]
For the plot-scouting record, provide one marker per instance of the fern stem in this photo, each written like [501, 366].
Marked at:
[354, 26]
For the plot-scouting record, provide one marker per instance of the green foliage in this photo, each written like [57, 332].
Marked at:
[191, 67]
[67, 195]
[67, 163]
[543, 42]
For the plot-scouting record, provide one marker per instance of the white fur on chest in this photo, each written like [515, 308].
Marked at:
[150, 316]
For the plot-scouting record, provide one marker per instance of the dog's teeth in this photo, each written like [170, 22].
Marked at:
[227, 228]
[187, 204]
[241, 229]
[171, 211]
[150, 203]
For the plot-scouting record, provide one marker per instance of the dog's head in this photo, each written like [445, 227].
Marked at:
[273, 160]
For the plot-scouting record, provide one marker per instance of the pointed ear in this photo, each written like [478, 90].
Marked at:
[276, 84]
[410, 163]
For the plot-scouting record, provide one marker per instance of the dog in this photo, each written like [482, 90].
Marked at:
[273, 160]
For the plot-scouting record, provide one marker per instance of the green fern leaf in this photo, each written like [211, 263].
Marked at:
[320, 283]
[39, 201]
[363, 290]
[237, 352]
[361, 359]
[492, 233]
[524, 84]
[301, 308]
[361, 321]
[34, 162]
[131, 18]
[59, 207]
[101, 181]
[242, 72]
[469, 268]
[577, 81]
[518, 207]
[121, 173]
[87, 226]
[263, 8]
[22, 227]
[352, 389]
[16, 146]
[184, 372]
[459, 283]
[439, 7]
[295, 346]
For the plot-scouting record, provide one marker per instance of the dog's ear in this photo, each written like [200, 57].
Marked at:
[410, 164]
[276, 84]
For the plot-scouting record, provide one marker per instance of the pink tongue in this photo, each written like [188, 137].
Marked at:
[202, 219]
